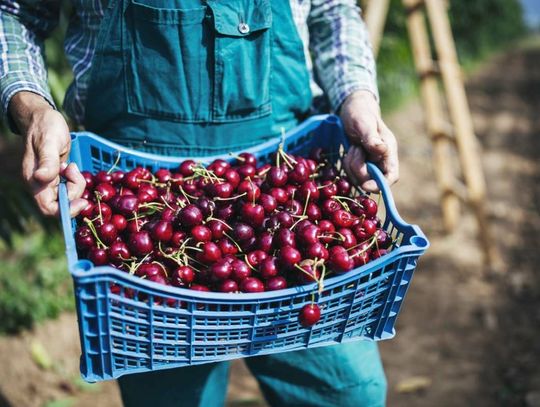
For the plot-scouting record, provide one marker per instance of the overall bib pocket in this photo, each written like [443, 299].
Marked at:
[242, 53]
[166, 61]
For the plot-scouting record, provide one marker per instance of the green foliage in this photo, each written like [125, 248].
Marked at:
[34, 281]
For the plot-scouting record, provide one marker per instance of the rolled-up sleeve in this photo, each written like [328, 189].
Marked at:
[23, 29]
[341, 50]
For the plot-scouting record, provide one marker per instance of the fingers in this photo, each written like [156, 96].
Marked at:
[364, 131]
[390, 161]
[75, 180]
[76, 206]
[48, 162]
[46, 196]
[355, 166]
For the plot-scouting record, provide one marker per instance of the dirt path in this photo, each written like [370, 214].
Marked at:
[471, 338]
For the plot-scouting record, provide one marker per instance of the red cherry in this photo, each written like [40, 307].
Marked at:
[103, 177]
[199, 287]
[84, 238]
[309, 315]
[343, 187]
[309, 235]
[299, 174]
[127, 204]
[343, 219]
[268, 268]
[88, 210]
[252, 191]
[308, 274]
[243, 232]
[378, 253]
[107, 232]
[284, 237]
[98, 256]
[289, 256]
[253, 214]
[340, 260]
[190, 216]
[309, 189]
[330, 206]
[246, 171]
[256, 257]
[268, 202]
[119, 222]
[248, 158]
[313, 212]
[88, 178]
[118, 251]
[162, 231]
[370, 207]
[316, 251]
[251, 285]
[264, 242]
[211, 252]
[105, 191]
[186, 168]
[232, 176]
[201, 233]
[228, 286]
[140, 243]
[276, 177]
[276, 283]
[279, 195]
[220, 270]
[328, 190]
[227, 247]
[240, 270]
[177, 238]
[348, 238]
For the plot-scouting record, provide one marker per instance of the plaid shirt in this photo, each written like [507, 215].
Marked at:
[336, 44]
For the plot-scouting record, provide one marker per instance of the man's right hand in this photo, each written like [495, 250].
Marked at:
[47, 145]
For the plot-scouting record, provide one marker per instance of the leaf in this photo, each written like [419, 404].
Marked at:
[40, 355]
[413, 384]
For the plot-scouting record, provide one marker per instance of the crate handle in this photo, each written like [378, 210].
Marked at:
[388, 199]
[65, 218]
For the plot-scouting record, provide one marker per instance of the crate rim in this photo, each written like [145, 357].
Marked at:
[84, 269]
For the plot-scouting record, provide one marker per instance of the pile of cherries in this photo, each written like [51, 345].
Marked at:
[231, 228]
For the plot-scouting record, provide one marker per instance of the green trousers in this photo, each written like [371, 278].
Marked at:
[335, 376]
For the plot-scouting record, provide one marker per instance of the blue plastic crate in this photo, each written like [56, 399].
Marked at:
[128, 332]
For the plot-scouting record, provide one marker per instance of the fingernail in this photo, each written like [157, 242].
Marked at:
[63, 166]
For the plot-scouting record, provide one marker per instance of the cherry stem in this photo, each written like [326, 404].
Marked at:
[94, 232]
[373, 240]
[234, 241]
[249, 264]
[231, 198]
[115, 163]
[219, 220]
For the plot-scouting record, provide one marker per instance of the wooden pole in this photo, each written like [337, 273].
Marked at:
[375, 18]
[434, 113]
[468, 148]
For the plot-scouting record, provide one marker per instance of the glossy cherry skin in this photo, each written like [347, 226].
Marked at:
[190, 216]
[316, 251]
[84, 238]
[240, 270]
[162, 231]
[289, 256]
[182, 276]
[370, 207]
[276, 177]
[228, 286]
[339, 259]
[220, 271]
[107, 232]
[141, 243]
[251, 285]
[309, 315]
[105, 191]
[211, 252]
[253, 214]
[284, 237]
[119, 222]
[201, 233]
[308, 274]
[226, 246]
[98, 256]
[276, 283]
[268, 268]
[243, 232]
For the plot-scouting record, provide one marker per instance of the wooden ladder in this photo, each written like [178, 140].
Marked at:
[459, 132]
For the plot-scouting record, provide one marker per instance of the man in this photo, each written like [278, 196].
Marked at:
[201, 77]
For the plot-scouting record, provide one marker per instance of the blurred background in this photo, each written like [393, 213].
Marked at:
[464, 337]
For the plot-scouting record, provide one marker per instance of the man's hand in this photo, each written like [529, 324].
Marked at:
[47, 144]
[370, 140]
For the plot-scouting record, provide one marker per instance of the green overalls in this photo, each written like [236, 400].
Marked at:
[194, 78]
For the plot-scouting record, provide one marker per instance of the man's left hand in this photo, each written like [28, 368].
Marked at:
[370, 140]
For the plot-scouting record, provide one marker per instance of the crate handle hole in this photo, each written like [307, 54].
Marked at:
[331, 119]
[419, 241]
[83, 265]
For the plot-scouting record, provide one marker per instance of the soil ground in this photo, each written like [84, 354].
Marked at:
[466, 336]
